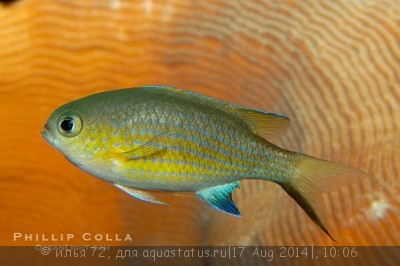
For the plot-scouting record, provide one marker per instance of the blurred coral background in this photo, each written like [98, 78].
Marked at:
[333, 67]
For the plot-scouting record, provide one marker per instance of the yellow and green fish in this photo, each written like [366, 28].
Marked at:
[165, 139]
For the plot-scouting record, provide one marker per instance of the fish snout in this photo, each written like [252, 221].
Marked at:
[46, 134]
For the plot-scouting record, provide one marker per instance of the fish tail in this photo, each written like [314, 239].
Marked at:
[314, 177]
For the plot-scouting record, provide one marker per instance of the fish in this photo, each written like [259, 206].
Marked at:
[161, 138]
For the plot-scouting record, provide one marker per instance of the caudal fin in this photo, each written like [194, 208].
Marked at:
[314, 177]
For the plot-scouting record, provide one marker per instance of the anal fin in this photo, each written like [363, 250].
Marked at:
[220, 197]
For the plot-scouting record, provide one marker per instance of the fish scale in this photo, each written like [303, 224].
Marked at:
[166, 139]
[224, 160]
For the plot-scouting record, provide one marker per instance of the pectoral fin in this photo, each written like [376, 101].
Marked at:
[147, 150]
[139, 194]
[220, 197]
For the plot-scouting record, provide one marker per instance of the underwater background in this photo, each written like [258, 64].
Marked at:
[333, 67]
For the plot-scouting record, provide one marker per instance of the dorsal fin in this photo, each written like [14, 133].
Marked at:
[269, 126]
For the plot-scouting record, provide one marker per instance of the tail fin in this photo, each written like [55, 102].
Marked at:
[314, 177]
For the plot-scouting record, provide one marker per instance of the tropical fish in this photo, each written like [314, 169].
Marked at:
[157, 138]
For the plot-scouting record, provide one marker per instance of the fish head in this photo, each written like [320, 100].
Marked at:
[96, 133]
[62, 131]
[73, 130]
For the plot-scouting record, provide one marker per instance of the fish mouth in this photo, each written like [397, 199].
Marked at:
[47, 135]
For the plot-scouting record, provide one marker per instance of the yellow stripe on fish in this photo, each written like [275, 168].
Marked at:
[166, 139]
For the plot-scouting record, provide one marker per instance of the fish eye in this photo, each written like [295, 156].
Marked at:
[69, 125]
